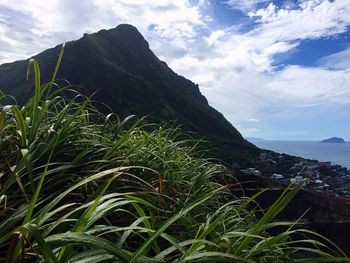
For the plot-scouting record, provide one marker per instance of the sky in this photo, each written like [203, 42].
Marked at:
[275, 69]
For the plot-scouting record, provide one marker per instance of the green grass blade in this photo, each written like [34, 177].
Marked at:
[21, 126]
[44, 248]
[169, 222]
[79, 226]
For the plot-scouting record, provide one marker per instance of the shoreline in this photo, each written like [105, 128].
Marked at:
[321, 177]
[336, 153]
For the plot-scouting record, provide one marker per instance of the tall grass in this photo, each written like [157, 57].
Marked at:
[79, 186]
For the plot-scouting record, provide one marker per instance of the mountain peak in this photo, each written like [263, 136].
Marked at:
[121, 33]
[127, 27]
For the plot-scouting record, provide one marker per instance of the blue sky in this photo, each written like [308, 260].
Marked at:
[275, 69]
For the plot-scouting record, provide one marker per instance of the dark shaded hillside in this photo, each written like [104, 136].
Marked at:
[128, 77]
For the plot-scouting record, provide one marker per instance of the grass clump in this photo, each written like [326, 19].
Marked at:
[79, 186]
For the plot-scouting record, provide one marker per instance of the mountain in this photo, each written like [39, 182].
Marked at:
[118, 67]
[334, 140]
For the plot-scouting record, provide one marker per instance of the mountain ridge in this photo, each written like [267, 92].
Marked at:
[119, 66]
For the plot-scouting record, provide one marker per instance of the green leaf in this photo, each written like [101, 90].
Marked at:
[170, 221]
[44, 248]
[20, 123]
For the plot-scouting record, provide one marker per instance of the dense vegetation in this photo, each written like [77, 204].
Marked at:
[118, 67]
[81, 186]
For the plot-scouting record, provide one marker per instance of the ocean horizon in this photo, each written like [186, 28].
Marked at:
[337, 153]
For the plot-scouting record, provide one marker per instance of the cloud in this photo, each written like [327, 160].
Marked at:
[311, 84]
[252, 96]
[286, 103]
[48, 23]
[340, 60]
[310, 20]
[246, 5]
[235, 70]
[248, 131]
[278, 30]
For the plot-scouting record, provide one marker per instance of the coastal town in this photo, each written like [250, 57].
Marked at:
[325, 177]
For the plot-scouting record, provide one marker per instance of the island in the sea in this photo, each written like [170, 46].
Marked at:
[334, 140]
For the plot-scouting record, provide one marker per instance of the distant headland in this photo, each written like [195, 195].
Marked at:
[334, 140]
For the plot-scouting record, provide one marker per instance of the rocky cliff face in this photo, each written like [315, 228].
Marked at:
[118, 66]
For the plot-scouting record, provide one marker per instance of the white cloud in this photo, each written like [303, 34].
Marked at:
[237, 75]
[293, 87]
[311, 85]
[245, 5]
[234, 70]
[311, 20]
[48, 23]
[278, 31]
[249, 131]
[340, 60]
[214, 37]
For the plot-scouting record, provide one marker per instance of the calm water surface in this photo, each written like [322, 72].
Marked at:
[337, 153]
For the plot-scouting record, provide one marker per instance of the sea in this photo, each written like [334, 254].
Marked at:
[337, 153]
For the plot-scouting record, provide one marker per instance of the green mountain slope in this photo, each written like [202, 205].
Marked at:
[118, 66]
